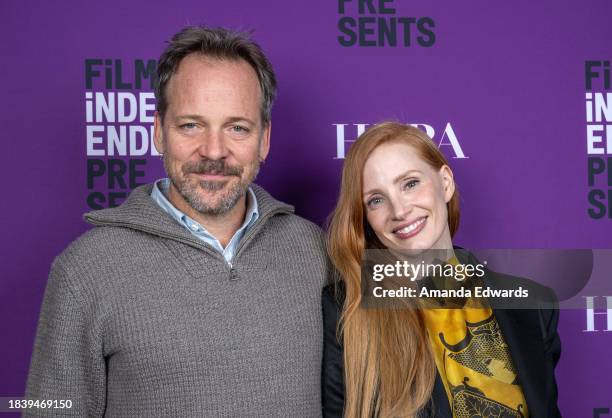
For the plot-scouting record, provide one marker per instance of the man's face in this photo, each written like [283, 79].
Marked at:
[212, 135]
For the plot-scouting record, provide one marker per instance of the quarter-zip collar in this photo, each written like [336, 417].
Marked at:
[141, 213]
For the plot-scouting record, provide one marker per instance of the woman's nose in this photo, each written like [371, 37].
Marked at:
[400, 208]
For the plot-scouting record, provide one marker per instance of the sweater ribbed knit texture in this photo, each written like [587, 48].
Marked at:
[142, 319]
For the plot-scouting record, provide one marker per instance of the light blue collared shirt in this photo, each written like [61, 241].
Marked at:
[158, 194]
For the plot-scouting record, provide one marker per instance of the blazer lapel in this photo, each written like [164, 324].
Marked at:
[520, 328]
[521, 331]
[441, 407]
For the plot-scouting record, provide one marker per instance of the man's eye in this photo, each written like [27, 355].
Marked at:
[188, 126]
[239, 129]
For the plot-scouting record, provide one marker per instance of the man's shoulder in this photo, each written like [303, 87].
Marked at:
[291, 237]
[300, 224]
[97, 246]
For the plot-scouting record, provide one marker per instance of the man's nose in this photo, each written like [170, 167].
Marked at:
[213, 145]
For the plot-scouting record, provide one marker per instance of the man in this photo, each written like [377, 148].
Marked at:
[200, 295]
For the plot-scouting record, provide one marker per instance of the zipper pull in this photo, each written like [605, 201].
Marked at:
[233, 274]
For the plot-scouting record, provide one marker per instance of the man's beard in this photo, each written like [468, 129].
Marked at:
[190, 190]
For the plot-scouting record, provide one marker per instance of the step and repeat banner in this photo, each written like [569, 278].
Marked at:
[518, 96]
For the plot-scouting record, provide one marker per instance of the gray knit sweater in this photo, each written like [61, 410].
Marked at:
[142, 319]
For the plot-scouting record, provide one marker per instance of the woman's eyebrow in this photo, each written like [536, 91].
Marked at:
[403, 175]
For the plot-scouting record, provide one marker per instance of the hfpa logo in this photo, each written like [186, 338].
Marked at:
[591, 313]
[446, 137]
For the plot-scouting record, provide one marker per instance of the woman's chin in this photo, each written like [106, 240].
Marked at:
[407, 247]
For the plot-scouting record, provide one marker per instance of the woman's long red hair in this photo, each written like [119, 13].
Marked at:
[389, 369]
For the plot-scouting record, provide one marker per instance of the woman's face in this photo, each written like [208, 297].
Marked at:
[405, 198]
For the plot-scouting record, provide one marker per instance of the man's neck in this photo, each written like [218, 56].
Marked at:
[223, 226]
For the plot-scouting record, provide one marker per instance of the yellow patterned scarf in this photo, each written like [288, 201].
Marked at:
[474, 362]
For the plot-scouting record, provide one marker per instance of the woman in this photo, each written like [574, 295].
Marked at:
[398, 192]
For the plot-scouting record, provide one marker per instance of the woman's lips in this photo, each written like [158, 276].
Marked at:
[409, 230]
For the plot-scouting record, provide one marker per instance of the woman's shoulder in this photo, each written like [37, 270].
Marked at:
[332, 377]
[332, 299]
[334, 290]
[333, 293]
[533, 295]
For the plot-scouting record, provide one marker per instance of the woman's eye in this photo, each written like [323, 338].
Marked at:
[374, 202]
[410, 184]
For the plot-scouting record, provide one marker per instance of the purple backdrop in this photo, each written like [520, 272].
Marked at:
[507, 81]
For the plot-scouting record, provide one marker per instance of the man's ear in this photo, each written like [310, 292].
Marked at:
[158, 137]
[448, 182]
[264, 143]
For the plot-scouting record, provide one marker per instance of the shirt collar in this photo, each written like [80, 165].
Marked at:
[158, 194]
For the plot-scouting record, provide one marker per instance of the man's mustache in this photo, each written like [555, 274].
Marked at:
[212, 167]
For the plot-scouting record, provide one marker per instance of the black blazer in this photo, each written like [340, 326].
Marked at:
[531, 335]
